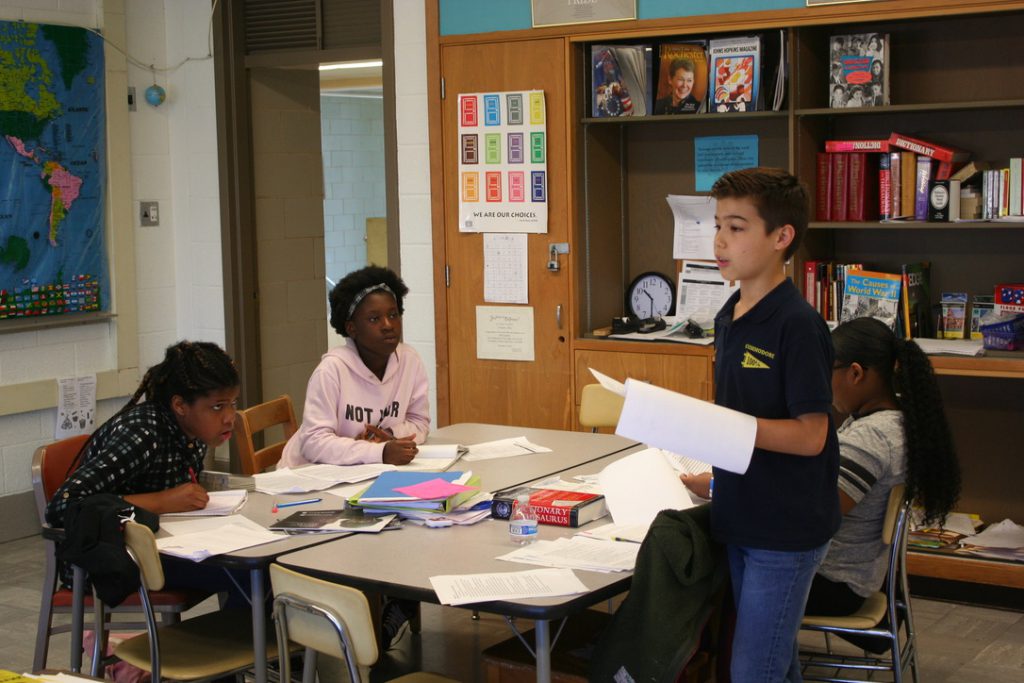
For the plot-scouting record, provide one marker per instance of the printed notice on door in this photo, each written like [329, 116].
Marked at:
[504, 333]
[503, 165]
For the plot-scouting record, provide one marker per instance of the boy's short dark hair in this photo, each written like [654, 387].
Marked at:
[780, 198]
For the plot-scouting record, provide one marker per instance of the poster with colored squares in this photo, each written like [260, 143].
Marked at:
[503, 169]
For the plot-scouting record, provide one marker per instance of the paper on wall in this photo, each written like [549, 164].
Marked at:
[693, 235]
[702, 290]
[76, 406]
[505, 268]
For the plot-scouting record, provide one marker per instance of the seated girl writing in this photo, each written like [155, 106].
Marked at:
[367, 400]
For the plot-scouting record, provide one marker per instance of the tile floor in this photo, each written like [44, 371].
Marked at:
[957, 643]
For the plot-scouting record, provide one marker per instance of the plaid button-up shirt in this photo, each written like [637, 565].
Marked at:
[143, 450]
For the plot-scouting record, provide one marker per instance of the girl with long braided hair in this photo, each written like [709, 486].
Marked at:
[896, 432]
[150, 452]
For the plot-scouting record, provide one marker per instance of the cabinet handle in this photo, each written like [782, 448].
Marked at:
[558, 316]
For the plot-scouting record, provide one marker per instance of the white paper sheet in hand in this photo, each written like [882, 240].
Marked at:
[639, 486]
[678, 423]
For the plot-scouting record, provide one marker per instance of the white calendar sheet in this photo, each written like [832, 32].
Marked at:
[505, 260]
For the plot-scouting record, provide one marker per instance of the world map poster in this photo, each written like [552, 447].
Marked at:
[52, 171]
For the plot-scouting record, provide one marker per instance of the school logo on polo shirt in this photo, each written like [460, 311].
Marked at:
[755, 358]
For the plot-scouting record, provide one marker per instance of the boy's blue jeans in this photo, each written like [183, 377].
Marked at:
[770, 590]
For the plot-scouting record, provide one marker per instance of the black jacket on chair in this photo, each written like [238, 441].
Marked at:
[94, 541]
[656, 630]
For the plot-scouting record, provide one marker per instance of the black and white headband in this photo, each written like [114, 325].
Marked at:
[358, 298]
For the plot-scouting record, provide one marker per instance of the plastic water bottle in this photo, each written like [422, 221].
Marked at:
[522, 524]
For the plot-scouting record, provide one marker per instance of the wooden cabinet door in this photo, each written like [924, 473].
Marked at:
[536, 393]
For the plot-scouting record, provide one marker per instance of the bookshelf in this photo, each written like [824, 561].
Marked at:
[954, 80]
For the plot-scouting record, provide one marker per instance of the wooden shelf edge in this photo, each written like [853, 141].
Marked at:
[980, 105]
[915, 225]
[627, 346]
[678, 118]
[968, 569]
[984, 366]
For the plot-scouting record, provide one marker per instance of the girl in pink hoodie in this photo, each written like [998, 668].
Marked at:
[367, 400]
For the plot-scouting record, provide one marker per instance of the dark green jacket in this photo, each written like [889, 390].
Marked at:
[656, 630]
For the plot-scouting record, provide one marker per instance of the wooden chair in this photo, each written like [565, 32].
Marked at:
[328, 618]
[883, 615]
[208, 646]
[50, 467]
[256, 419]
[599, 407]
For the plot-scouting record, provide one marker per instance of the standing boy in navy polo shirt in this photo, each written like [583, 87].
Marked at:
[773, 360]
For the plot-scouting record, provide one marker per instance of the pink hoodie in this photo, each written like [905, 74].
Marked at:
[344, 395]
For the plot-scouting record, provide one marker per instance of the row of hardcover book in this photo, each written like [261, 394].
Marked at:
[890, 178]
[718, 75]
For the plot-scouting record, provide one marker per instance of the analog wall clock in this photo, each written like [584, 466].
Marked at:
[651, 294]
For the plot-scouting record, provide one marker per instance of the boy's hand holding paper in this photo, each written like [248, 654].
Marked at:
[683, 424]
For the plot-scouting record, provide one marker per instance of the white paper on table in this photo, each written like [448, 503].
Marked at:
[960, 523]
[435, 457]
[177, 526]
[76, 406]
[221, 503]
[577, 552]
[639, 486]
[701, 290]
[627, 533]
[503, 448]
[314, 477]
[461, 589]
[693, 234]
[199, 545]
[666, 419]
[60, 677]
[1005, 534]
[505, 268]
[556, 483]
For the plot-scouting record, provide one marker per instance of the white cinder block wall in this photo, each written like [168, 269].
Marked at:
[173, 157]
[178, 264]
[414, 185]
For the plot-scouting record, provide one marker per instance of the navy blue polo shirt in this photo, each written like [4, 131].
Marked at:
[775, 362]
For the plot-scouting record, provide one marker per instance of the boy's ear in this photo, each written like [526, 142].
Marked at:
[784, 236]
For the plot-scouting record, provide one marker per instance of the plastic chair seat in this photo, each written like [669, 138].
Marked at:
[202, 647]
[867, 617]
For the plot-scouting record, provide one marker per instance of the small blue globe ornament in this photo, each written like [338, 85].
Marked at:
[155, 95]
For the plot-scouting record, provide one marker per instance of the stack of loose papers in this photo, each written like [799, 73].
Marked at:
[577, 552]
[221, 503]
[462, 589]
[1003, 541]
[959, 347]
[198, 539]
[315, 477]
[504, 448]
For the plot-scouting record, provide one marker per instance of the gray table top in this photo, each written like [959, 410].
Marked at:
[400, 563]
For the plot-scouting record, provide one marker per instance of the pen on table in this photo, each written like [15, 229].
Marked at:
[293, 503]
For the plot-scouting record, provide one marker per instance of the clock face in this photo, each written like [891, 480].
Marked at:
[650, 294]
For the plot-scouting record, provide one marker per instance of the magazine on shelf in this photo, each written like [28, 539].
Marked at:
[735, 73]
[859, 74]
[622, 80]
[870, 294]
[682, 79]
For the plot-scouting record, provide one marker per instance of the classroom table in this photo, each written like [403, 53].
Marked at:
[366, 561]
[568, 450]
